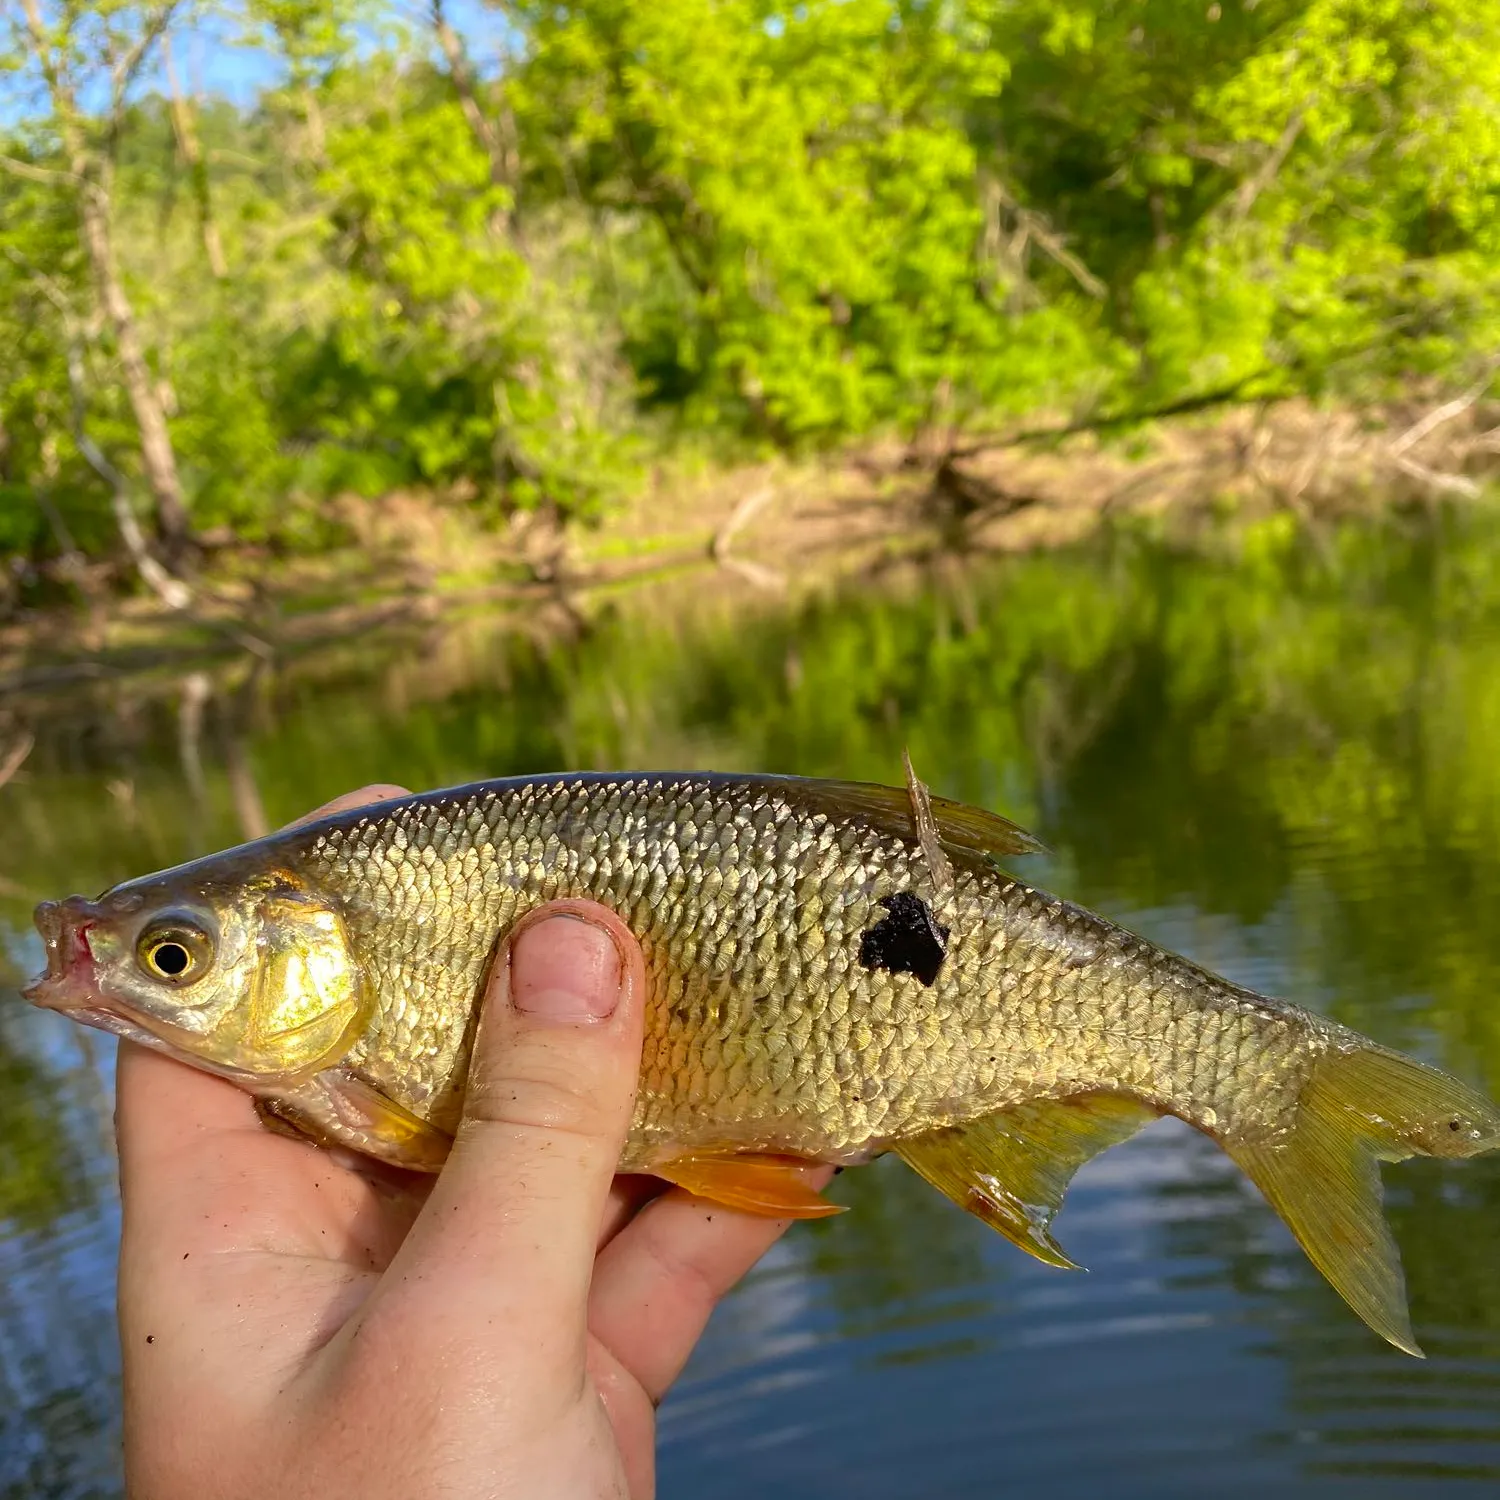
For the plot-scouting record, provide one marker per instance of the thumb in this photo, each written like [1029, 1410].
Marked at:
[507, 1238]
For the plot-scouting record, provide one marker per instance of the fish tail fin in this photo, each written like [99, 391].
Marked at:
[1363, 1105]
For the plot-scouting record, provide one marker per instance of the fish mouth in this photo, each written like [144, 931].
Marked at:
[67, 984]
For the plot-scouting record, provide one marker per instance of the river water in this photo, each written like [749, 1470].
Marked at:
[1281, 757]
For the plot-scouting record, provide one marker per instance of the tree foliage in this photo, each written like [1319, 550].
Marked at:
[514, 263]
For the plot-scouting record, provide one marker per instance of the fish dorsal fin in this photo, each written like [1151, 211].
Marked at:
[971, 837]
[754, 1182]
[1012, 1168]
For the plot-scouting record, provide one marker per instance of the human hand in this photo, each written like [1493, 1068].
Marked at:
[301, 1325]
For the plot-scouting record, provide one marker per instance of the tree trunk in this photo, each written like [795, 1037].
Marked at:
[92, 171]
[173, 592]
[158, 460]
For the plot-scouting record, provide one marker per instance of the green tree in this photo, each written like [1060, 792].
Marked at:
[78, 51]
[809, 189]
[504, 265]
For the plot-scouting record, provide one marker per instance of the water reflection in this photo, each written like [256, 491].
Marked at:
[58, 1361]
[1281, 762]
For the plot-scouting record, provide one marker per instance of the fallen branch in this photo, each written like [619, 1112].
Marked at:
[1453, 484]
[1030, 225]
[744, 512]
[1444, 413]
[1182, 407]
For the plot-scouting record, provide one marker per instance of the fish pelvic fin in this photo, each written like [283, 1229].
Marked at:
[1011, 1168]
[1363, 1105]
[754, 1182]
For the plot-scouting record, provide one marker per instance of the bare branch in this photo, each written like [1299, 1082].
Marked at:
[124, 70]
[1453, 484]
[191, 151]
[496, 139]
[172, 591]
[1259, 180]
[718, 548]
[37, 29]
[49, 285]
[57, 85]
[49, 176]
[15, 757]
[1444, 413]
[1033, 226]
[1223, 157]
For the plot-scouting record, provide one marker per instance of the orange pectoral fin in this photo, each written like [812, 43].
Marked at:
[750, 1181]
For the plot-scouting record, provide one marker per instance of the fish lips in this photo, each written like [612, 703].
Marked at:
[68, 983]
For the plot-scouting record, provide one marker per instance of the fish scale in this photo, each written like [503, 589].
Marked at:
[764, 1022]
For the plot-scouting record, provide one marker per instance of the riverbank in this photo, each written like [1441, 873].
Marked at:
[780, 526]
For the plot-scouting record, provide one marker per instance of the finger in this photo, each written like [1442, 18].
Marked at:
[507, 1239]
[659, 1279]
[628, 1195]
[377, 791]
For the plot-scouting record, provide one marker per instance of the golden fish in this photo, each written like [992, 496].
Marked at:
[835, 970]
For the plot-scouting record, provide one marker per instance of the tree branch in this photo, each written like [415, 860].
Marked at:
[1444, 413]
[45, 57]
[1259, 180]
[1183, 406]
[50, 176]
[15, 757]
[191, 151]
[124, 70]
[1452, 484]
[499, 148]
[1034, 226]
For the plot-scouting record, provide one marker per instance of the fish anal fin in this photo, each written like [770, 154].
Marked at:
[752, 1181]
[1011, 1168]
[1362, 1105]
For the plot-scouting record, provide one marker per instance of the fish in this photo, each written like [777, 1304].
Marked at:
[835, 970]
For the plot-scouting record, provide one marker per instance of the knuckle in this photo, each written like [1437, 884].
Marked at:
[698, 1281]
[540, 1091]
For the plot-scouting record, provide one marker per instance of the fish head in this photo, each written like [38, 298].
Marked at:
[250, 978]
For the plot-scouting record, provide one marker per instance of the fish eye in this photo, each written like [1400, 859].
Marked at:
[174, 951]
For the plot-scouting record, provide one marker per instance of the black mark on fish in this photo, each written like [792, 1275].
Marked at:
[907, 941]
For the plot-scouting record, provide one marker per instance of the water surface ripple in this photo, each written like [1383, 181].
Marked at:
[1280, 762]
